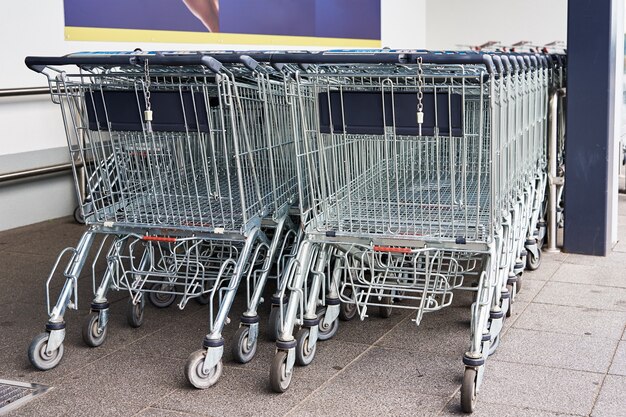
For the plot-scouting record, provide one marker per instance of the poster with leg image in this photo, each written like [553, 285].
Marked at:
[353, 23]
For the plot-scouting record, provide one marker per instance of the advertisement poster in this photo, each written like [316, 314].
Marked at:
[284, 22]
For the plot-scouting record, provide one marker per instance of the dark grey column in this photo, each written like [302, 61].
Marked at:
[590, 151]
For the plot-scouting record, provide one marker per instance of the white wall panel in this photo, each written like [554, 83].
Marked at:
[453, 23]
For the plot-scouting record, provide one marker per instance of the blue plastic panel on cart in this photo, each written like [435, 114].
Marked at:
[363, 113]
[173, 111]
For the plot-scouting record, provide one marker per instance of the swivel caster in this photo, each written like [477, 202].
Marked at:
[94, 335]
[326, 331]
[134, 312]
[305, 351]
[347, 311]
[194, 370]
[280, 375]
[533, 262]
[38, 355]
[468, 390]
[245, 346]
[159, 297]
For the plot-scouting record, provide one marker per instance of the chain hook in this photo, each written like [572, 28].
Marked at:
[420, 93]
[147, 114]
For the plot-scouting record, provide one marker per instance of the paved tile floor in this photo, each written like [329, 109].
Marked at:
[563, 350]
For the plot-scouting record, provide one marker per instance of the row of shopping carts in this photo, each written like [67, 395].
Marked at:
[358, 180]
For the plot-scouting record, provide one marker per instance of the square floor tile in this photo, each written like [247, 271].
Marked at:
[159, 412]
[239, 392]
[443, 333]
[556, 350]
[546, 270]
[587, 322]
[120, 384]
[383, 368]
[339, 399]
[580, 295]
[612, 399]
[604, 274]
[539, 387]
[618, 366]
[485, 409]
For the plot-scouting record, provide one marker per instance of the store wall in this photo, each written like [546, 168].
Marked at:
[455, 24]
[32, 132]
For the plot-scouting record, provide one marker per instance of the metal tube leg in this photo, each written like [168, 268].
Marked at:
[281, 370]
[204, 366]
[269, 260]
[329, 321]
[100, 304]
[552, 175]
[213, 342]
[72, 272]
[46, 349]
[480, 312]
[297, 287]
[311, 321]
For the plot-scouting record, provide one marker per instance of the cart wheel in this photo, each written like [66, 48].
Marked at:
[347, 311]
[202, 299]
[38, 356]
[92, 336]
[304, 353]
[279, 378]
[134, 313]
[532, 261]
[399, 296]
[540, 242]
[326, 331]
[494, 345]
[273, 328]
[161, 299]
[385, 311]
[242, 351]
[78, 215]
[509, 311]
[468, 390]
[195, 373]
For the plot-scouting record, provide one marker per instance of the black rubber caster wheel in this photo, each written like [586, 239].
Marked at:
[326, 331]
[243, 352]
[533, 262]
[38, 356]
[92, 335]
[134, 313]
[160, 298]
[304, 352]
[468, 390]
[280, 379]
[194, 370]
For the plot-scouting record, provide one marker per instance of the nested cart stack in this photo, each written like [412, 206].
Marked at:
[415, 174]
[189, 178]
[417, 171]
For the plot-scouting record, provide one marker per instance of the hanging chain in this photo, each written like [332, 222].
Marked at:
[147, 114]
[420, 92]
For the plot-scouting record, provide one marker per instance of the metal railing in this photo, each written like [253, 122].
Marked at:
[30, 91]
[36, 172]
[31, 172]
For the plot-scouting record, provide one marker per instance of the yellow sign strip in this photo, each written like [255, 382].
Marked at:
[74, 33]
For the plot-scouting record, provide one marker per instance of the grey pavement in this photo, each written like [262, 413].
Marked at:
[563, 350]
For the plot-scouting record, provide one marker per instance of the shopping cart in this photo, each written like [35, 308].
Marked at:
[189, 178]
[409, 166]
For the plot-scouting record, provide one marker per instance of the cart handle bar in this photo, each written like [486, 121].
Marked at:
[248, 58]
[39, 63]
